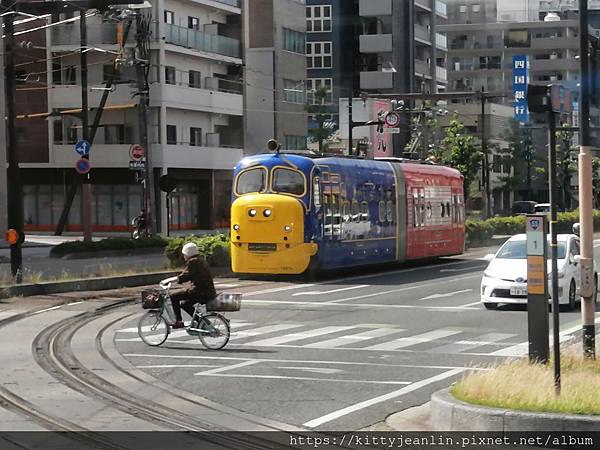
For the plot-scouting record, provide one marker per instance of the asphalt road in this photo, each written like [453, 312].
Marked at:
[343, 354]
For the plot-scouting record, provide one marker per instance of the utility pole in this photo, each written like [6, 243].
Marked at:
[350, 125]
[552, 181]
[15, 189]
[86, 186]
[486, 161]
[588, 307]
[3, 158]
[142, 66]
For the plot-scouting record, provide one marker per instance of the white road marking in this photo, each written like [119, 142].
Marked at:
[382, 398]
[234, 324]
[281, 377]
[296, 361]
[263, 330]
[478, 302]
[464, 269]
[279, 289]
[75, 303]
[360, 286]
[447, 294]
[226, 368]
[175, 366]
[365, 305]
[413, 340]
[353, 338]
[46, 310]
[461, 346]
[226, 285]
[323, 370]
[297, 336]
[408, 288]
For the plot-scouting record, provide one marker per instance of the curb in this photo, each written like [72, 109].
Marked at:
[450, 414]
[90, 284]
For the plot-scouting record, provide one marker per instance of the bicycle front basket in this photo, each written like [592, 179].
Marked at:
[151, 299]
[225, 302]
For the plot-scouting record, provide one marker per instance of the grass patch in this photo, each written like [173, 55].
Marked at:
[530, 387]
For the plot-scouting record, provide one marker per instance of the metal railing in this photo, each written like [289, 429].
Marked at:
[190, 38]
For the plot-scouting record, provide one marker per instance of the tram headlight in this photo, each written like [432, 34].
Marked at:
[287, 228]
[236, 227]
[252, 212]
[267, 212]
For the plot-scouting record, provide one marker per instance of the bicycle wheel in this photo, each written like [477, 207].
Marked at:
[215, 334]
[153, 328]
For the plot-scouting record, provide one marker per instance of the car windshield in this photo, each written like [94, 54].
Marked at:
[518, 250]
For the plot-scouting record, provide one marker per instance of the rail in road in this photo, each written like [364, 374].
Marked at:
[104, 403]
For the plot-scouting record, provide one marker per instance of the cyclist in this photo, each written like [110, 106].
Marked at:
[203, 289]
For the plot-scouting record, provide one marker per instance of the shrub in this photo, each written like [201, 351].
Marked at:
[108, 244]
[214, 248]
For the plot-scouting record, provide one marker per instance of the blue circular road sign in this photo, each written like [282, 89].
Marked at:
[82, 147]
[83, 166]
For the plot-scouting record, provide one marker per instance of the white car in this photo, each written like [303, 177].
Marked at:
[505, 279]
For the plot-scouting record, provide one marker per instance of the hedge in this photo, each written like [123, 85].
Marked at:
[108, 244]
[483, 230]
[214, 248]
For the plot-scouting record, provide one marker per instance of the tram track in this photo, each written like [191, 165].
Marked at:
[52, 351]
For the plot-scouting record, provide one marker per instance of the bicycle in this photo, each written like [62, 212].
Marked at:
[211, 327]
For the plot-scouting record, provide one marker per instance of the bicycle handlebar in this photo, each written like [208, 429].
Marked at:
[167, 282]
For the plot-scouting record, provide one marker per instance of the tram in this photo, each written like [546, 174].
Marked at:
[292, 212]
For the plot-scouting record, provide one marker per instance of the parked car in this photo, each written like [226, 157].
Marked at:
[505, 278]
[523, 207]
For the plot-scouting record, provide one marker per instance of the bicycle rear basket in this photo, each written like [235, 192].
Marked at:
[151, 299]
[225, 302]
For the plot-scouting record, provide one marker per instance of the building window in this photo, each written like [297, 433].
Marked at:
[170, 75]
[475, 8]
[295, 142]
[462, 8]
[312, 84]
[169, 17]
[293, 41]
[171, 135]
[318, 18]
[114, 134]
[318, 55]
[193, 23]
[195, 79]
[293, 91]
[70, 75]
[56, 73]
[195, 137]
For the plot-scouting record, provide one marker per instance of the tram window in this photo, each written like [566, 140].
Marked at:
[416, 215]
[389, 211]
[288, 181]
[382, 211]
[364, 212]
[442, 210]
[252, 180]
[317, 192]
[447, 209]
[429, 211]
[355, 212]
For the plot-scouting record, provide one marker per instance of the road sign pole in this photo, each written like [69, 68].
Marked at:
[553, 244]
[86, 187]
[537, 289]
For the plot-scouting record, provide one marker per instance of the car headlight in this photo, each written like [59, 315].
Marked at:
[252, 212]
[267, 213]
[236, 227]
[287, 228]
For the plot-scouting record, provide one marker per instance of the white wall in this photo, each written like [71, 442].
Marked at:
[182, 10]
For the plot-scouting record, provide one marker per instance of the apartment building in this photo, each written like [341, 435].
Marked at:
[274, 74]
[195, 118]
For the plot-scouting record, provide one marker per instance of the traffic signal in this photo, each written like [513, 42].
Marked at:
[537, 98]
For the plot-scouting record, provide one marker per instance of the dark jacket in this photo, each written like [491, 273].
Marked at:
[196, 270]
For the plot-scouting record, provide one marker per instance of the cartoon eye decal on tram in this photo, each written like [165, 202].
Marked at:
[290, 212]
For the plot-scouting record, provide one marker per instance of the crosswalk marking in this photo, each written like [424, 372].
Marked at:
[484, 339]
[353, 338]
[298, 336]
[263, 330]
[235, 324]
[413, 340]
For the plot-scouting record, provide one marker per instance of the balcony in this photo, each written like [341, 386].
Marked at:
[232, 6]
[424, 4]
[101, 155]
[557, 64]
[216, 158]
[422, 34]
[374, 8]
[376, 80]
[68, 34]
[422, 68]
[184, 97]
[554, 43]
[375, 43]
[69, 96]
[197, 40]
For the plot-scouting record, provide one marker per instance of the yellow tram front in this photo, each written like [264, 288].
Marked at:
[273, 226]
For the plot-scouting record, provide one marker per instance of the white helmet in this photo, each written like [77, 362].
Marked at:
[190, 249]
